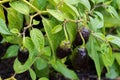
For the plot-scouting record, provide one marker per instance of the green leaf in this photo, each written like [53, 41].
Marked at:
[56, 29]
[118, 3]
[32, 74]
[37, 38]
[35, 22]
[2, 16]
[113, 39]
[113, 72]
[28, 44]
[107, 55]
[39, 4]
[69, 10]
[45, 72]
[47, 51]
[14, 39]
[40, 63]
[97, 22]
[20, 7]
[71, 29]
[99, 35]
[86, 4]
[20, 68]
[112, 11]
[92, 47]
[73, 2]
[53, 39]
[54, 2]
[108, 19]
[57, 14]
[117, 57]
[60, 67]
[99, 1]
[3, 27]
[15, 19]
[14, 31]
[43, 78]
[83, 2]
[93, 1]
[11, 51]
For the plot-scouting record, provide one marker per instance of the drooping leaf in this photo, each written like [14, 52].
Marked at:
[3, 27]
[97, 22]
[107, 56]
[93, 1]
[14, 39]
[110, 21]
[99, 1]
[37, 38]
[35, 22]
[118, 3]
[32, 74]
[40, 63]
[53, 39]
[20, 68]
[60, 67]
[47, 51]
[73, 2]
[56, 29]
[113, 71]
[113, 12]
[2, 16]
[39, 4]
[28, 44]
[113, 39]
[86, 4]
[15, 19]
[14, 31]
[11, 51]
[54, 2]
[44, 78]
[117, 57]
[71, 29]
[45, 72]
[99, 35]
[57, 14]
[69, 10]
[20, 6]
[92, 51]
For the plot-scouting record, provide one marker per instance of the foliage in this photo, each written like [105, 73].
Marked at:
[58, 22]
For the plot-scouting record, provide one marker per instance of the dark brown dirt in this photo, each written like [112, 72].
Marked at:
[6, 70]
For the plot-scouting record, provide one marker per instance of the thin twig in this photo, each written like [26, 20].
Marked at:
[96, 6]
[30, 24]
[4, 1]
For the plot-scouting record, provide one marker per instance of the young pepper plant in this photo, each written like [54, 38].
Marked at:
[17, 26]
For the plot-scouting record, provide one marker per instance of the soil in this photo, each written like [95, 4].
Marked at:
[6, 70]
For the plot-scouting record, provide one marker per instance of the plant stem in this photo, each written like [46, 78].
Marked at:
[40, 12]
[30, 23]
[4, 1]
[75, 21]
[96, 6]
[65, 31]
[83, 45]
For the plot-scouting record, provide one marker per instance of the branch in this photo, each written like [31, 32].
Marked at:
[4, 1]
